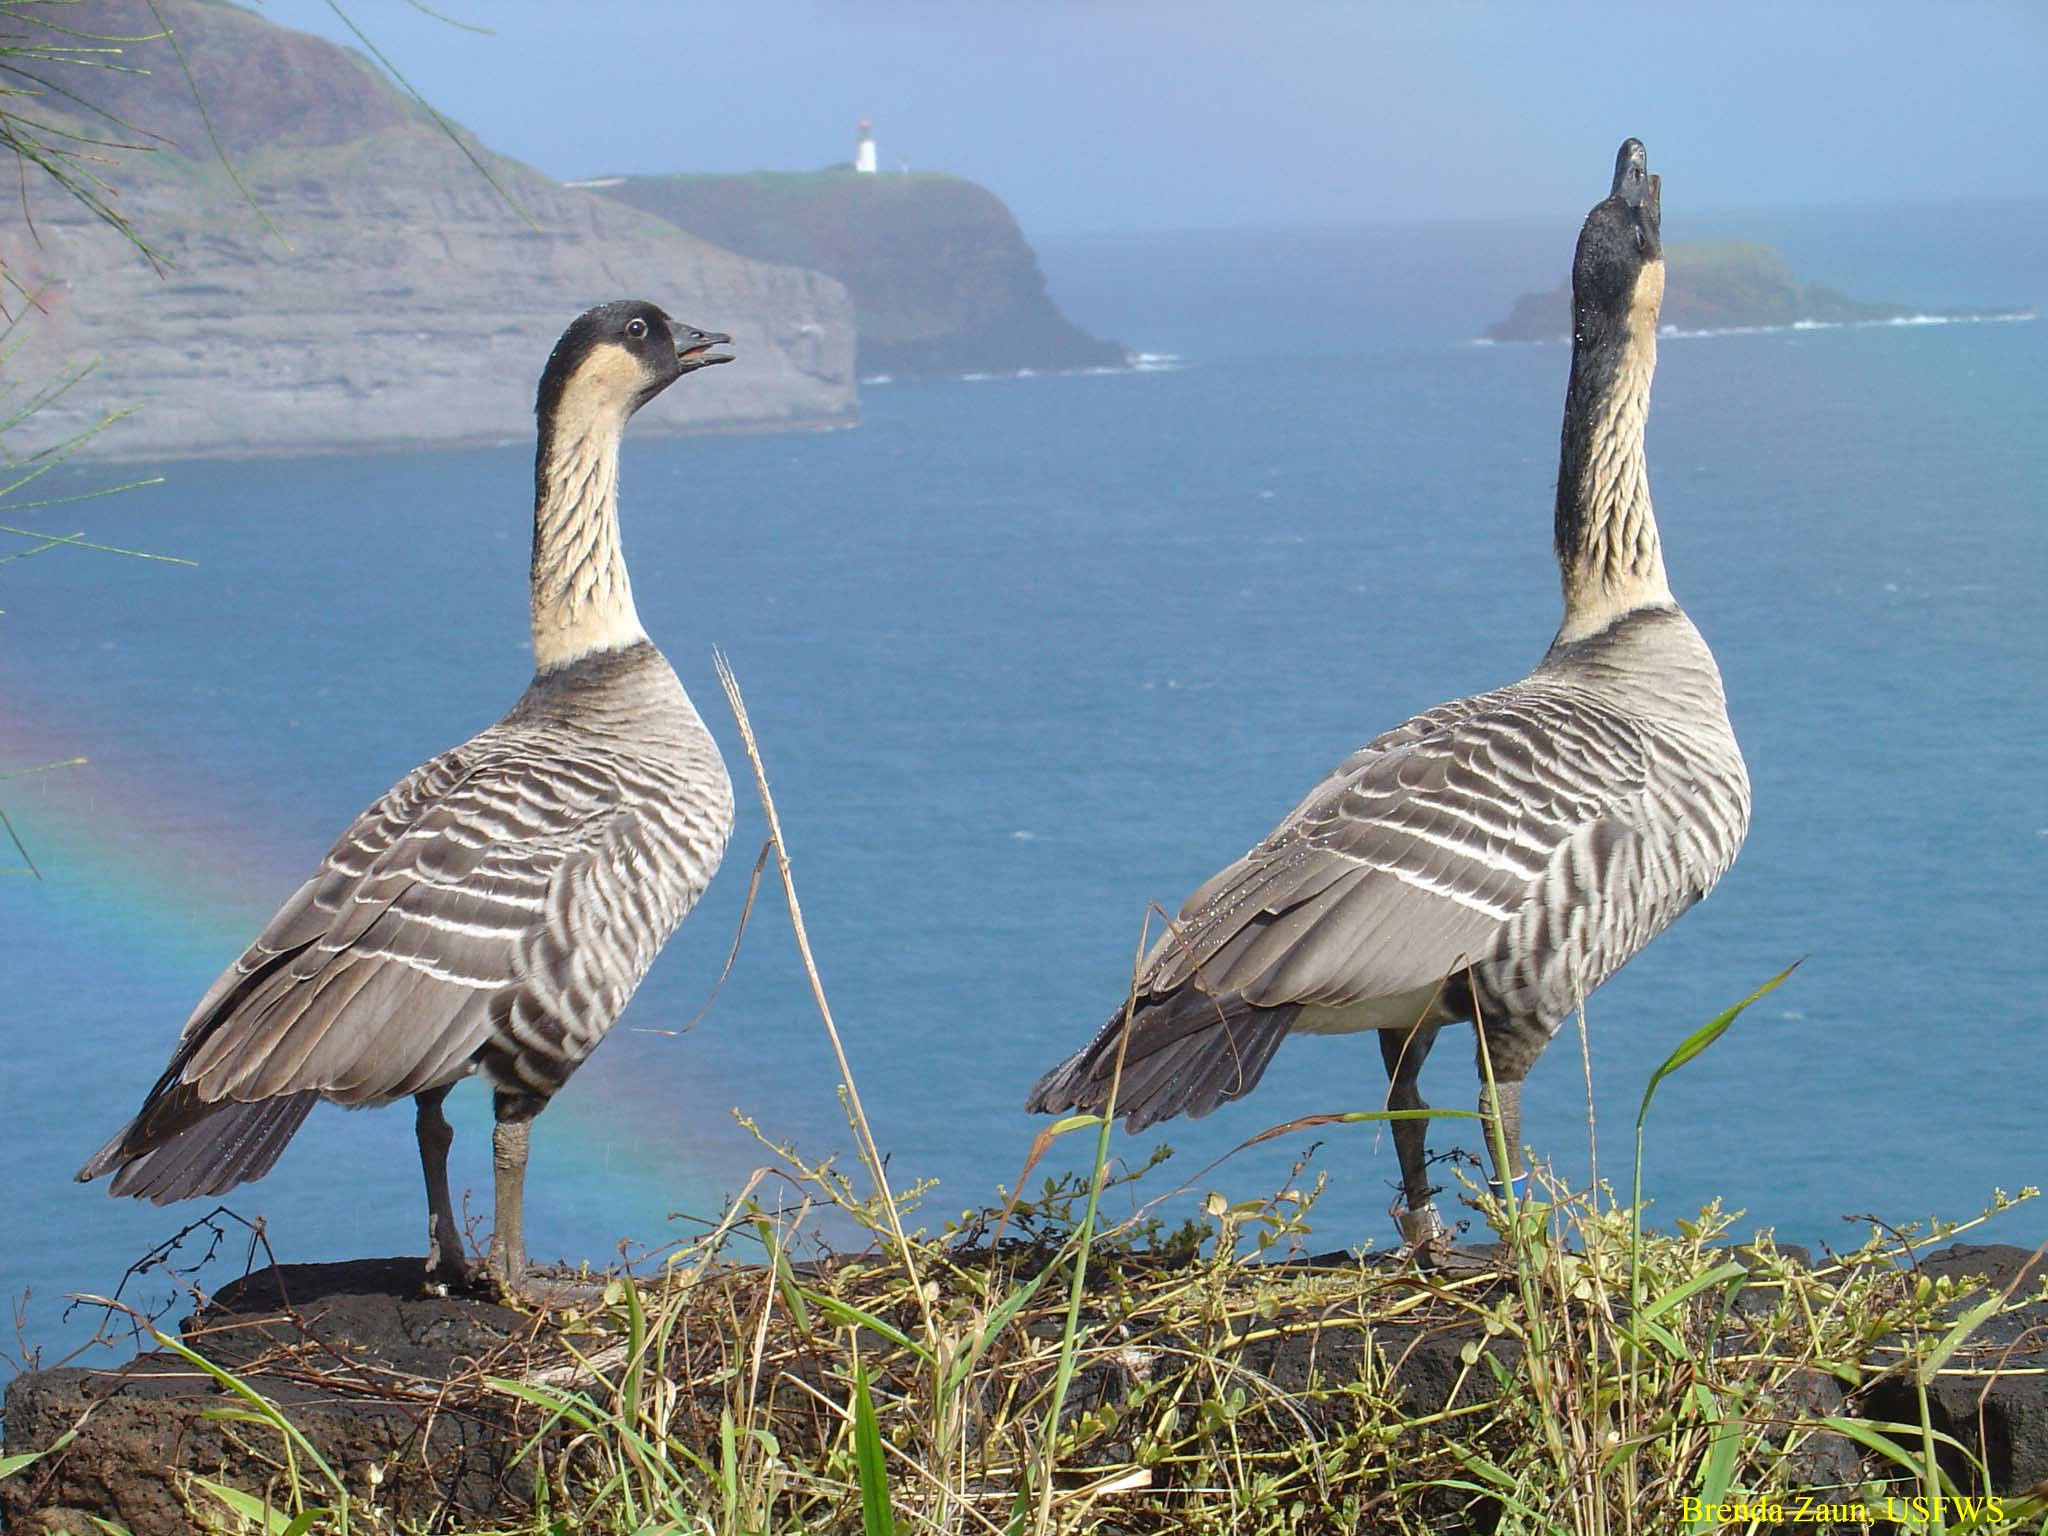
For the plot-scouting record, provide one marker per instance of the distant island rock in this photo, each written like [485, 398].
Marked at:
[413, 306]
[943, 281]
[1717, 286]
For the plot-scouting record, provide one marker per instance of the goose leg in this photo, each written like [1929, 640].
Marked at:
[1404, 1054]
[444, 1237]
[509, 1142]
[1503, 1105]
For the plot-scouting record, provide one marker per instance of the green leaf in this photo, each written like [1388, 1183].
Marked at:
[833, 1307]
[1951, 1341]
[1691, 1288]
[1067, 1123]
[289, 1432]
[9, 1465]
[1696, 1042]
[785, 1277]
[1868, 1433]
[1724, 1440]
[573, 1406]
[876, 1516]
[271, 1521]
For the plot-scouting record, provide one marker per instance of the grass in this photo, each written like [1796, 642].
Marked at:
[1035, 1367]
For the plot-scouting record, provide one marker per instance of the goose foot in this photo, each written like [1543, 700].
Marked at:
[1426, 1243]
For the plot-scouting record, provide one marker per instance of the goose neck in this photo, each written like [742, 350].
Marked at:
[1608, 554]
[582, 598]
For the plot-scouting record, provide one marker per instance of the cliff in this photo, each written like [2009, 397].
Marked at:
[942, 279]
[1720, 285]
[412, 306]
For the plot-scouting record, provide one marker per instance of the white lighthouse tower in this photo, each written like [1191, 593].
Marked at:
[864, 148]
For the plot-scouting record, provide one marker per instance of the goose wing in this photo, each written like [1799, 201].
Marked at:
[378, 977]
[1408, 862]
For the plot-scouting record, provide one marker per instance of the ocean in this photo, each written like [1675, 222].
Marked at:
[1025, 655]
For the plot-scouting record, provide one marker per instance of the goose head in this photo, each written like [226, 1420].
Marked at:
[614, 359]
[1618, 271]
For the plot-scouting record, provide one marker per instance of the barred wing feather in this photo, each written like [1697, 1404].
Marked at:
[384, 974]
[1413, 859]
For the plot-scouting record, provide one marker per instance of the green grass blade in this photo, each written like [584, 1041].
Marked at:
[845, 1313]
[573, 1406]
[1696, 1042]
[785, 1277]
[877, 1518]
[1680, 1294]
[1953, 1340]
[260, 1512]
[291, 1433]
[1871, 1435]
[1724, 1440]
[9, 1465]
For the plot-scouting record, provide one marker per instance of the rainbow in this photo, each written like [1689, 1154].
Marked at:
[138, 880]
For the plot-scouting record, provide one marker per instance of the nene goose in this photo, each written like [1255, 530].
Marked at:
[1492, 860]
[495, 910]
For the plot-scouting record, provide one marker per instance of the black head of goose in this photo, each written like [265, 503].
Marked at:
[494, 911]
[1492, 860]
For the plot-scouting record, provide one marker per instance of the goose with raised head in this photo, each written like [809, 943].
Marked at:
[495, 910]
[1494, 859]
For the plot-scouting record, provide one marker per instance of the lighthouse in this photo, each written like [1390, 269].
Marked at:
[864, 148]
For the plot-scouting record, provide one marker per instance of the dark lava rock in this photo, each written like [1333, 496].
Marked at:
[361, 1361]
[1993, 1393]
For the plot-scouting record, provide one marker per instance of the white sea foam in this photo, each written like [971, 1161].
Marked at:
[1683, 333]
[2001, 317]
[1140, 362]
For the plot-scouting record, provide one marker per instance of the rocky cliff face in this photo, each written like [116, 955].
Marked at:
[412, 306]
[941, 276]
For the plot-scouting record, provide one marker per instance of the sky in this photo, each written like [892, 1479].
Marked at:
[1108, 115]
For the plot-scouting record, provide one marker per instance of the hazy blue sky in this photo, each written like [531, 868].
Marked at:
[1118, 114]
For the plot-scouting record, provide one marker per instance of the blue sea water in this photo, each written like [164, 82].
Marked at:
[1027, 655]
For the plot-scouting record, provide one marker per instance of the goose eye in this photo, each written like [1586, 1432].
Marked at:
[637, 329]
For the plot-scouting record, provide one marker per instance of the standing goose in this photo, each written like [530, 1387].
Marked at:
[1495, 858]
[495, 910]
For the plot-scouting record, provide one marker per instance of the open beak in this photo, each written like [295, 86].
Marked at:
[693, 348]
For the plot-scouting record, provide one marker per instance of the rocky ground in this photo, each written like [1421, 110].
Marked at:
[388, 1384]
